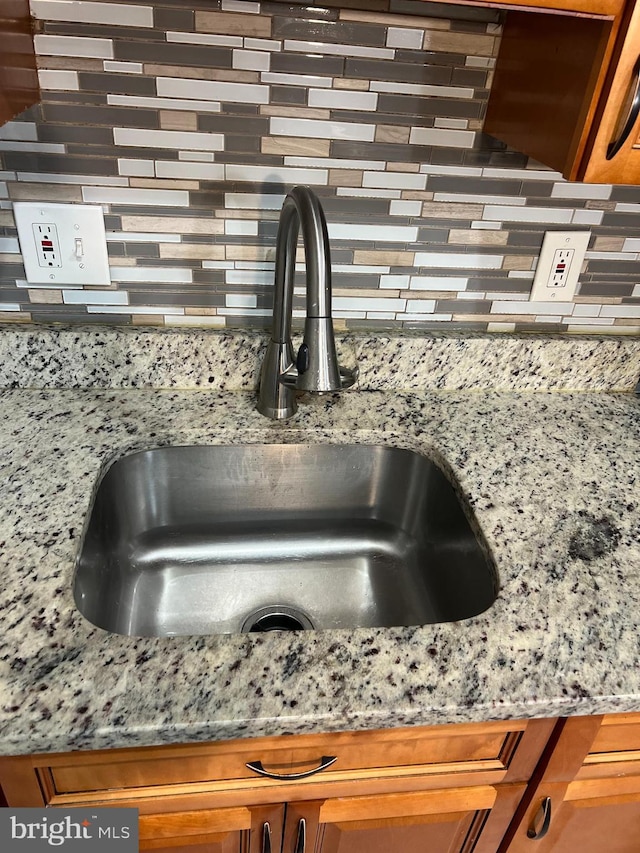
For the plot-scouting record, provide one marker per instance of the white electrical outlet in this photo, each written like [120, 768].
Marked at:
[62, 243]
[559, 266]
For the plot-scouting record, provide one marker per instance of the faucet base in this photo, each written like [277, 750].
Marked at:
[276, 400]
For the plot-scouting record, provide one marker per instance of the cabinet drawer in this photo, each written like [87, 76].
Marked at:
[618, 739]
[440, 749]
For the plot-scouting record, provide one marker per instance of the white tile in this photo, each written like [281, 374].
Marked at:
[566, 189]
[522, 174]
[253, 201]
[363, 269]
[141, 237]
[200, 156]
[582, 324]
[96, 180]
[9, 306]
[254, 265]
[286, 79]
[381, 315]
[136, 168]
[626, 207]
[322, 49]
[552, 215]
[480, 62]
[458, 171]
[238, 300]
[452, 123]
[473, 198]
[213, 90]
[251, 60]
[336, 163]
[271, 45]
[405, 208]
[277, 174]
[420, 306]
[190, 320]
[364, 192]
[153, 274]
[394, 282]
[458, 260]
[620, 311]
[183, 139]
[611, 256]
[367, 303]
[241, 312]
[9, 245]
[4, 191]
[205, 38]
[501, 327]
[19, 131]
[437, 282]
[95, 297]
[240, 226]
[342, 99]
[446, 138]
[163, 103]
[521, 274]
[47, 45]
[486, 226]
[587, 217]
[470, 295]
[123, 67]
[380, 233]
[86, 12]
[399, 88]
[134, 309]
[501, 295]
[511, 306]
[551, 318]
[187, 170]
[63, 81]
[35, 147]
[394, 180]
[241, 6]
[631, 244]
[586, 310]
[405, 37]
[248, 276]
[133, 195]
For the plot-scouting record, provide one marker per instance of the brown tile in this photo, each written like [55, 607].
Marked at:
[44, 192]
[478, 237]
[163, 184]
[451, 210]
[518, 262]
[347, 83]
[178, 120]
[46, 296]
[393, 20]
[392, 259]
[465, 44]
[403, 167]
[392, 133]
[232, 23]
[69, 63]
[197, 251]
[345, 178]
[295, 146]
[293, 112]
[608, 244]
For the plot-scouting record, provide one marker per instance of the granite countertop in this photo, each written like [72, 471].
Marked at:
[552, 478]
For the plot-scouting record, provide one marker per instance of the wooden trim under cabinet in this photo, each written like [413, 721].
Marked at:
[19, 86]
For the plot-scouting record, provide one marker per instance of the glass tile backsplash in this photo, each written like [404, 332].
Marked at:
[189, 122]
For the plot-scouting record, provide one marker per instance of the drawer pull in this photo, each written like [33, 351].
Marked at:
[543, 814]
[626, 124]
[266, 838]
[325, 761]
[301, 841]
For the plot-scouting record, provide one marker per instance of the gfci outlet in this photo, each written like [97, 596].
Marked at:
[62, 243]
[559, 266]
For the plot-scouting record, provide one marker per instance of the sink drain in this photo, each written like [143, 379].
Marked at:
[279, 617]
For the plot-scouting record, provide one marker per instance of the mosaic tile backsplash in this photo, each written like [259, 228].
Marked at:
[189, 122]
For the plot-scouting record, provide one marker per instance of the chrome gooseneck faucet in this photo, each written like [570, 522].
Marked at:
[315, 367]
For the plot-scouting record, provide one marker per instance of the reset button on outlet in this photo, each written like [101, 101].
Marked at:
[62, 244]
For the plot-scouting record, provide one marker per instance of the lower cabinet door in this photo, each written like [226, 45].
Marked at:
[458, 820]
[591, 816]
[234, 830]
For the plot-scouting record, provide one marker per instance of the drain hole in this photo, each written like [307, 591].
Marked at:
[276, 618]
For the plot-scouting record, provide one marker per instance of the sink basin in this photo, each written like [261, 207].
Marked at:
[215, 540]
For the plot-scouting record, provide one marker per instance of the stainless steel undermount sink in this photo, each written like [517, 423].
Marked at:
[211, 540]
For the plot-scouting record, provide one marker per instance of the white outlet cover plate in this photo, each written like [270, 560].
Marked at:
[73, 222]
[542, 291]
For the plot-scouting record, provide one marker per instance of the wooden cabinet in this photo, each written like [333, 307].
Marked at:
[586, 796]
[442, 788]
[18, 76]
[566, 88]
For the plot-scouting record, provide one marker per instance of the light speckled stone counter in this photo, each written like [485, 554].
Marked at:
[553, 480]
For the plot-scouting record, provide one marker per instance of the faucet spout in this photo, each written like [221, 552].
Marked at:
[315, 368]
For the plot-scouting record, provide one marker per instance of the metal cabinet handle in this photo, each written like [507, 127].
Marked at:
[325, 761]
[301, 840]
[266, 837]
[544, 813]
[631, 118]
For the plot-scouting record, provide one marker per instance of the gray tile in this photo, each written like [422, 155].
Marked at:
[115, 250]
[463, 306]
[476, 78]
[150, 210]
[627, 194]
[208, 276]
[110, 31]
[604, 289]
[335, 32]
[73, 133]
[173, 19]
[251, 125]
[387, 70]
[429, 57]
[247, 144]
[117, 84]
[109, 116]
[434, 235]
[295, 63]
[142, 250]
[400, 152]
[288, 95]
[198, 55]
[316, 11]
[527, 239]
[501, 285]
[203, 298]
[631, 268]
[81, 98]
[25, 161]
[473, 186]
